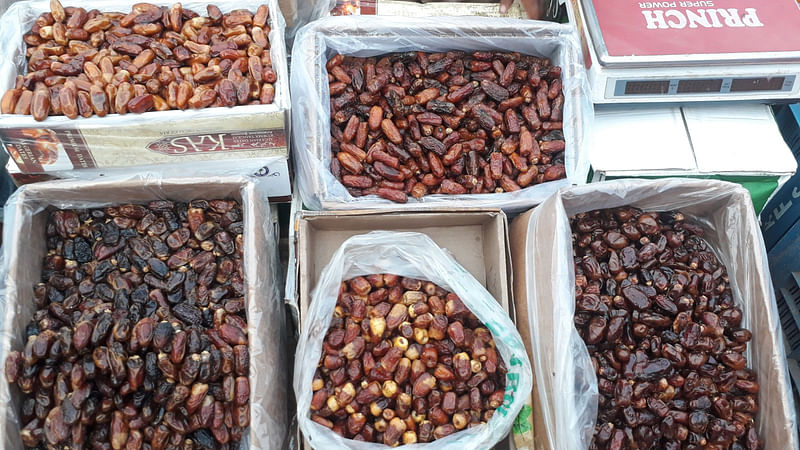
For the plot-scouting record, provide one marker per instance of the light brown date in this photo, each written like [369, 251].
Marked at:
[149, 49]
[381, 373]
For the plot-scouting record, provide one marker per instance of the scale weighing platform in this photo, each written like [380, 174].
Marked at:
[687, 51]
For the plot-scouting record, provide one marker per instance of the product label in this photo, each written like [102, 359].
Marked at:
[76, 149]
[115, 142]
[218, 142]
[416, 9]
[31, 148]
[635, 28]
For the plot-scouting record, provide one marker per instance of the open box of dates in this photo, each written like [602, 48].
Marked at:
[401, 345]
[142, 313]
[652, 303]
[74, 75]
[425, 111]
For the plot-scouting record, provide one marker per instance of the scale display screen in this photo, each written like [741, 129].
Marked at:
[677, 87]
[697, 86]
[757, 84]
[646, 87]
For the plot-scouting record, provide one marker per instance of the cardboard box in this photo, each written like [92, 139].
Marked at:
[157, 137]
[24, 234]
[518, 238]
[373, 36]
[427, 9]
[701, 141]
[477, 239]
[274, 172]
[544, 296]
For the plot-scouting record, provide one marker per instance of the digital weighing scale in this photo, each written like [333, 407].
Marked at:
[687, 51]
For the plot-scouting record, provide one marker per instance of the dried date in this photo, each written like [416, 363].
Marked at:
[392, 366]
[138, 340]
[444, 116]
[651, 298]
[168, 58]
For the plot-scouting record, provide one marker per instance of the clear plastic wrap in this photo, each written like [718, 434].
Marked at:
[366, 36]
[411, 255]
[567, 392]
[307, 12]
[24, 237]
[59, 143]
[274, 171]
[426, 8]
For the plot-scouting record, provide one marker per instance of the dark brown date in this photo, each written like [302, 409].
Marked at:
[137, 339]
[670, 364]
[442, 117]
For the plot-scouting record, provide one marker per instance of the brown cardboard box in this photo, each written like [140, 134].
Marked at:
[156, 137]
[477, 239]
[518, 237]
[367, 36]
[564, 382]
[25, 223]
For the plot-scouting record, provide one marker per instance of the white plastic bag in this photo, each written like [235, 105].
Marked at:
[366, 36]
[409, 255]
[568, 389]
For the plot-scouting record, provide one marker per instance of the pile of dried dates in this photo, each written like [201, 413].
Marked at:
[404, 361]
[139, 338]
[655, 309]
[153, 58]
[419, 123]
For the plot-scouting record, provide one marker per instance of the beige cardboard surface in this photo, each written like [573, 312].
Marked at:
[289, 10]
[477, 239]
[24, 235]
[544, 285]
[518, 243]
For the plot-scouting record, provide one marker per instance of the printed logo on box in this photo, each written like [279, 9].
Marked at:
[218, 142]
[653, 28]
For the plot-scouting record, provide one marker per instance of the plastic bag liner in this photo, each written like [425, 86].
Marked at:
[366, 36]
[409, 255]
[307, 12]
[567, 390]
[25, 246]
